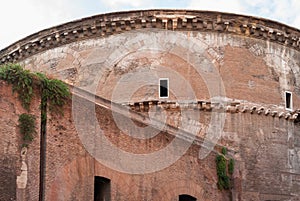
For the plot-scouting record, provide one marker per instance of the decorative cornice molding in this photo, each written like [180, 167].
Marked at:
[228, 107]
[178, 20]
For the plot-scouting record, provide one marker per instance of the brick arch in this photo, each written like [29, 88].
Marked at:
[118, 181]
[67, 178]
[169, 191]
[175, 71]
[83, 169]
[61, 65]
[122, 185]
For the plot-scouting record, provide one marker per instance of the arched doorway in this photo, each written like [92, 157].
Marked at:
[101, 189]
[185, 197]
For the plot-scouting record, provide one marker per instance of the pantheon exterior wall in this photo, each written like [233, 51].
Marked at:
[233, 81]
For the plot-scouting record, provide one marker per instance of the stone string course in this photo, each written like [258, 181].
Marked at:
[233, 107]
[181, 20]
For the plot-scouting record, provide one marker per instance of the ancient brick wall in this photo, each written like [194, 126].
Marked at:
[268, 161]
[218, 65]
[26, 187]
[222, 68]
[71, 169]
[265, 150]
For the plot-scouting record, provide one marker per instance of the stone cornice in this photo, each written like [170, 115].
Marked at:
[228, 107]
[177, 20]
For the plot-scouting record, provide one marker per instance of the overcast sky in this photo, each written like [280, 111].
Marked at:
[20, 18]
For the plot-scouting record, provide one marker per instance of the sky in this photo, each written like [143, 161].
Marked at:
[19, 18]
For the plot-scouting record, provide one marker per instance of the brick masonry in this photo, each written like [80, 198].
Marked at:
[11, 143]
[237, 67]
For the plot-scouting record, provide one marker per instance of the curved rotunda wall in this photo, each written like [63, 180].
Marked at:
[211, 54]
[204, 55]
[250, 69]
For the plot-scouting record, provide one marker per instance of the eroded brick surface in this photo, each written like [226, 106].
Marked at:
[220, 69]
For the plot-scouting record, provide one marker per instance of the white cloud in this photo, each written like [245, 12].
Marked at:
[233, 6]
[283, 11]
[296, 22]
[286, 11]
[290, 13]
[121, 4]
[19, 19]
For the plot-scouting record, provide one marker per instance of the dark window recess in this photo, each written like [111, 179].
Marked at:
[101, 189]
[187, 198]
[288, 100]
[163, 88]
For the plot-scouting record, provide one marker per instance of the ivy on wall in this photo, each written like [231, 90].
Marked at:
[224, 181]
[27, 126]
[53, 94]
[231, 166]
[21, 81]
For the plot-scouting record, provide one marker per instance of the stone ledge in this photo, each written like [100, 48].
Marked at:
[176, 20]
[230, 107]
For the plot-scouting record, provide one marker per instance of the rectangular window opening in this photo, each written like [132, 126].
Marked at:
[164, 88]
[288, 100]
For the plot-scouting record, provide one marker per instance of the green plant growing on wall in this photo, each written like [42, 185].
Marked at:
[53, 91]
[21, 81]
[223, 179]
[27, 126]
[224, 151]
[231, 166]
[54, 94]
